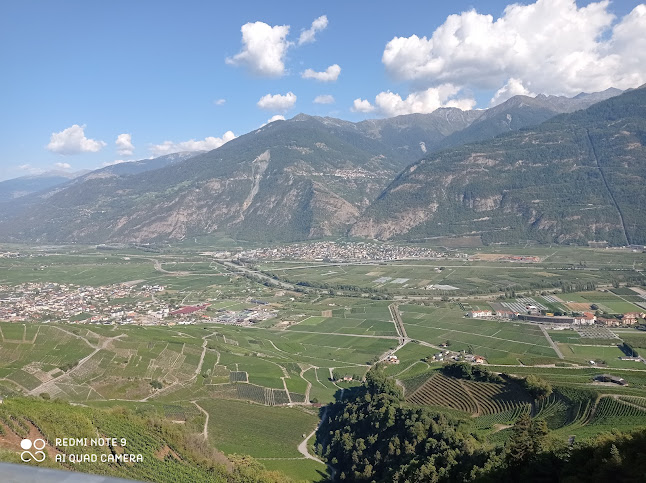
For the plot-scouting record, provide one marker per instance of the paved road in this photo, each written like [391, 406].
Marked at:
[549, 339]
[302, 448]
[399, 323]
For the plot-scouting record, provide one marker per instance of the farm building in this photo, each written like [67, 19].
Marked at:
[632, 318]
[546, 320]
[586, 319]
[610, 378]
[608, 322]
[480, 313]
[506, 314]
[629, 319]
[189, 310]
[392, 359]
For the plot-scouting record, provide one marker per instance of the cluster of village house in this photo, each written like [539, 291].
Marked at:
[587, 318]
[456, 356]
[343, 252]
[191, 315]
[66, 302]
[114, 304]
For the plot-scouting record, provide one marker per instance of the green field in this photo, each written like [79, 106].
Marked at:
[496, 341]
[263, 432]
[247, 378]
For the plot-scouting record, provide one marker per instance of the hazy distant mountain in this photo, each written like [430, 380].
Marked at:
[25, 185]
[291, 179]
[143, 165]
[574, 178]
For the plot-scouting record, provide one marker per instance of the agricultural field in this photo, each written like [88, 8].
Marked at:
[605, 301]
[498, 342]
[609, 354]
[484, 272]
[268, 434]
[257, 383]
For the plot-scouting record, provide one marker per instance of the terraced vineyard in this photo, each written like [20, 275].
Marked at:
[612, 411]
[492, 398]
[476, 398]
[238, 376]
[265, 395]
[505, 417]
[444, 391]
[636, 400]
[554, 410]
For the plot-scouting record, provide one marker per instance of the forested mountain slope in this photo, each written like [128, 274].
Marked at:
[575, 178]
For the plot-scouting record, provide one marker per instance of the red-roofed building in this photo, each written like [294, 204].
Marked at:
[586, 319]
[189, 309]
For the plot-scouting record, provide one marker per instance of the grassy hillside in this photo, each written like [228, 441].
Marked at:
[168, 452]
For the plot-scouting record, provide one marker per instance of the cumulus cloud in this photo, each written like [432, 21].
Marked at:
[362, 105]
[277, 117]
[331, 74]
[219, 102]
[277, 102]
[73, 141]
[206, 144]
[513, 87]
[390, 104]
[324, 99]
[124, 145]
[550, 46]
[63, 165]
[309, 35]
[263, 49]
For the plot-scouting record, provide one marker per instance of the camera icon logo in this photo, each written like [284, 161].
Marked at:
[38, 445]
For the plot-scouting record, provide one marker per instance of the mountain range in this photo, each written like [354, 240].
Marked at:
[548, 168]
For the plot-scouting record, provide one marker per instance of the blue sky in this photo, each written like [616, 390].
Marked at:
[78, 75]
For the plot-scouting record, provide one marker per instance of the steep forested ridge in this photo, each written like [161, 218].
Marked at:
[575, 178]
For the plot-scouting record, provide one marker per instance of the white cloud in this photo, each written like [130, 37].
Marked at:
[207, 144]
[309, 35]
[277, 117]
[331, 74]
[63, 165]
[551, 46]
[277, 102]
[263, 50]
[324, 99]
[219, 102]
[513, 87]
[73, 141]
[362, 105]
[390, 104]
[124, 144]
